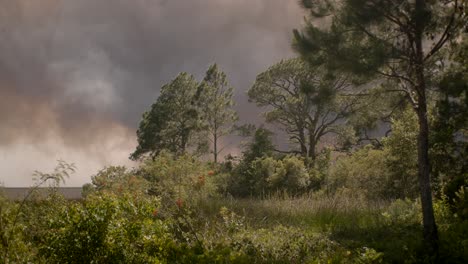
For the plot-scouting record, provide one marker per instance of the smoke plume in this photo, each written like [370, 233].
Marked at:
[75, 76]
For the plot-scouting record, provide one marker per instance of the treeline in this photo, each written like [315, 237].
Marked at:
[328, 118]
[363, 66]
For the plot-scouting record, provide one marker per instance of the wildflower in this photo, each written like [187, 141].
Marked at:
[211, 173]
[201, 180]
[155, 213]
[180, 203]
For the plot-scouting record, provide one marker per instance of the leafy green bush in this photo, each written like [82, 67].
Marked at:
[183, 220]
[401, 159]
[178, 178]
[103, 228]
[116, 179]
[288, 174]
[386, 173]
[287, 245]
[403, 212]
[21, 221]
[14, 244]
[461, 203]
[364, 171]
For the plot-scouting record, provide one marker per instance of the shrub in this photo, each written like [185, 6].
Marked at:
[291, 176]
[363, 171]
[183, 177]
[104, 228]
[116, 179]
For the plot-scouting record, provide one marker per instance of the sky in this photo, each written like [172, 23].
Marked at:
[76, 76]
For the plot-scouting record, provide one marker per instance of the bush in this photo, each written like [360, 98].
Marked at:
[104, 228]
[183, 177]
[401, 157]
[363, 171]
[403, 212]
[387, 173]
[116, 179]
[282, 244]
[268, 175]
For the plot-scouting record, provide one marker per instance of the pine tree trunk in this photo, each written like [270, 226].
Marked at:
[312, 151]
[303, 145]
[430, 228]
[215, 148]
[429, 224]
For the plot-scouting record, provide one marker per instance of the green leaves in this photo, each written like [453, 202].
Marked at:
[172, 120]
[289, 174]
[303, 99]
[103, 228]
[188, 114]
[214, 99]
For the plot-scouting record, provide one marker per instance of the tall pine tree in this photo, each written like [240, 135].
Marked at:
[214, 98]
[172, 120]
[401, 42]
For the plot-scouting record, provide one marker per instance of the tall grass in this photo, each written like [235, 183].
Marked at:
[349, 218]
[317, 211]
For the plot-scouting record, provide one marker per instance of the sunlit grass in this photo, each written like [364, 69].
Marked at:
[347, 218]
[315, 211]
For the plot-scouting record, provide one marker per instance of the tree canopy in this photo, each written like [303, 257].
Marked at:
[307, 101]
[214, 97]
[172, 120]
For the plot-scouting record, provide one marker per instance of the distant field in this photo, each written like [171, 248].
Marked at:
[18, 193]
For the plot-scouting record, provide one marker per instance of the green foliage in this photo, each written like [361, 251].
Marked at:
[14, 243]
[389, 172]
[87, 189]
[320, 170]
[260, 172]
[186, 115]
[460, 203]
[135, 228]
[214, 97]
[399, 42]
[288, 245]
[17, 231]
[241, 181]
[403, 212]
[364, 171]
[263, 172]
[373, 117]
[260, 146]
[304, 100]
[449, 144]
[363, 36]
[401, 155]
[178, 177]
[288, 174]
[172, 120]
[359, 208]
[117, 179]
[104, 228]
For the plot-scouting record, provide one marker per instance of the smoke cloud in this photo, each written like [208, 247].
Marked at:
[75, 76]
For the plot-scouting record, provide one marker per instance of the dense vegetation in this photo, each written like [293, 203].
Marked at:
[178, 210]
[375, 110]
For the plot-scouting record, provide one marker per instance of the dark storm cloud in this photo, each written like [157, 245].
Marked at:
[83, 67]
